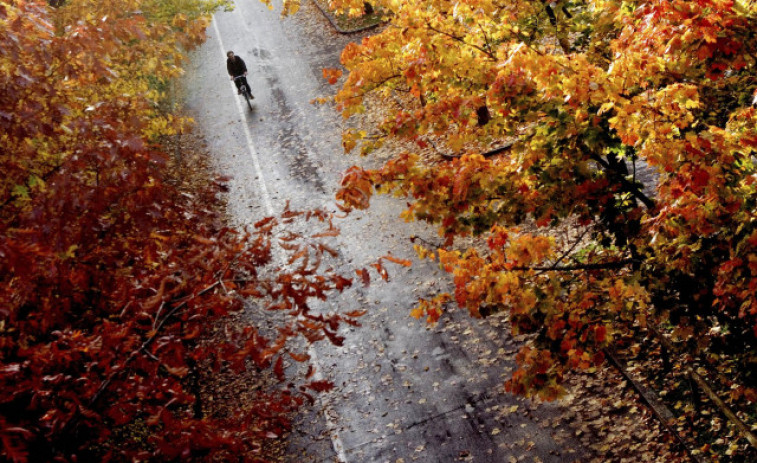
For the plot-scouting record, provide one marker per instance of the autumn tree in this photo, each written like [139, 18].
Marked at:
[113, 276]
[602, 151]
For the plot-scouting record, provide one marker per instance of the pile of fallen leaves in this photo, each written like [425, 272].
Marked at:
[698, 421]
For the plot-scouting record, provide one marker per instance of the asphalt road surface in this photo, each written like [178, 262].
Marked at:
[405, 391]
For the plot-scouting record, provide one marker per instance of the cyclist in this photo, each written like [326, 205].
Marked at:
[236, 68]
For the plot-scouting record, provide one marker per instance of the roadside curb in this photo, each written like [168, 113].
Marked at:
[336, 26]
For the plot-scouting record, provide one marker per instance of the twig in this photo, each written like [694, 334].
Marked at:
[572, 268]
[144, 345]
[426, 242]
[568, 251]
[487, 154]
[461, 40]
[375, 87]
[157, 315]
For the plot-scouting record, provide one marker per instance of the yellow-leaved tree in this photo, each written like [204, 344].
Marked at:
[602, 150]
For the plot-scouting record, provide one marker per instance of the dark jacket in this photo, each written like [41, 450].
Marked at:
[236, 66]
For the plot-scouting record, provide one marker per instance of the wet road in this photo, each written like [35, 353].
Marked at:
[405, 391]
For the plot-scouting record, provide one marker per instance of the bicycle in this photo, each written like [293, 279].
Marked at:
[246, 92]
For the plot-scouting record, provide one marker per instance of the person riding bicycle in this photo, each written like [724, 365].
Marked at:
[236, 68]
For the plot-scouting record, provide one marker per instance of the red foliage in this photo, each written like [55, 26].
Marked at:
[110, 277]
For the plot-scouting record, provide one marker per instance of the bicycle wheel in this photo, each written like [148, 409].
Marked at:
[246, 93]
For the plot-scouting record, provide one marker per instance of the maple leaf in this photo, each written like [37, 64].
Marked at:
[332, 75]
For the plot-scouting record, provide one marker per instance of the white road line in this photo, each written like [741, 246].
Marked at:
[250, 146]
[336, 440]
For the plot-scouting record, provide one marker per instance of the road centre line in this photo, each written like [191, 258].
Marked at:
[336, 440]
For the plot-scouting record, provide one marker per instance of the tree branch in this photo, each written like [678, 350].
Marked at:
[145, 344]
[629, 187]
[461, 40]
[46, 176]
[486, 154]
[567, 252]
[573, 268]
[363, 93]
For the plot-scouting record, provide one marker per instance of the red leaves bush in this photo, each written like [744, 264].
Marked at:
[111, 278]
